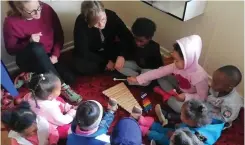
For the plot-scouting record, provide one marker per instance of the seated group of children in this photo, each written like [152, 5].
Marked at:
[43, 118]
[184, 87]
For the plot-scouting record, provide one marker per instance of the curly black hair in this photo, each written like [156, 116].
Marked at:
[233, 73]
[144, 27]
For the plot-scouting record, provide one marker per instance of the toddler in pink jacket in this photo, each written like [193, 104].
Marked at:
[44, 101]
[182, 80]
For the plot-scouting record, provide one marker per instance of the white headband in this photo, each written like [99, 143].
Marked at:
[97, 122]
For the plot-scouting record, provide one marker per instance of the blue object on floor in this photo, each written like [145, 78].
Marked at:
[6, 81]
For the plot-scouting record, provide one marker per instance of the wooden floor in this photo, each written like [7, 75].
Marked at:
[4, 138]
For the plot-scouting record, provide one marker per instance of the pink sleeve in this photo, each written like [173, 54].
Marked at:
[53, 135]
[155, 74]
[14, 142]
[202, 91]
[67, 107]
[58, 118]
[58, 34]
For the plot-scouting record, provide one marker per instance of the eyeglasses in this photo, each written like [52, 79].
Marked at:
[34, 12]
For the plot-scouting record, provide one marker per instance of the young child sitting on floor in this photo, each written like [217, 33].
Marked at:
[194, 115]
[224, 102]
[187, 74]
[90, 126]
[27, 128]
[183, 136]
[44, 101]
[146, 52]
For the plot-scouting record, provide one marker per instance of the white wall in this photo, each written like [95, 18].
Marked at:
[67, 12]
[7, 59]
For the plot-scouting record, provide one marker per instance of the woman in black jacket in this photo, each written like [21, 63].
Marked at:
[95, 33]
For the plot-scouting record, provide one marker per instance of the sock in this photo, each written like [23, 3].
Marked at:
[136, 112]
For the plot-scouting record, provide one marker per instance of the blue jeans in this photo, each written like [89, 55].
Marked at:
[159, 134]
[105, 123]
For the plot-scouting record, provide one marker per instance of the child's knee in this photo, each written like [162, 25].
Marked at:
[174, 104]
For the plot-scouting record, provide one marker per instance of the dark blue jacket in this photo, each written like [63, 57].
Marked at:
[93, 139]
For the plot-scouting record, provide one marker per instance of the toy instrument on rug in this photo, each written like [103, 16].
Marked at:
[146, 103]
[124, 97]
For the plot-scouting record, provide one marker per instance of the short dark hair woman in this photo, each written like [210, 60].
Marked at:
[94, 36]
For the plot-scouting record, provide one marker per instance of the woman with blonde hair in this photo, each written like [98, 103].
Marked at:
[95, 31]
[33, 33]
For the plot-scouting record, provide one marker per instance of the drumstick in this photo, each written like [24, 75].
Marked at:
[115, 79]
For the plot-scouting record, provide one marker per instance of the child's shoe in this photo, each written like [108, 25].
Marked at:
[136, 112]
[22, 79]
[144, 130]
[112, 105]
[68, 93]
[146, 121]
[160, 115]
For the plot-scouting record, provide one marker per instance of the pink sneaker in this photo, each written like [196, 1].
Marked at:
[144, 130]
[146, 121]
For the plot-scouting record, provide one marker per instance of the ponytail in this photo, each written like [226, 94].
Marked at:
[42, 85]
[33, 88]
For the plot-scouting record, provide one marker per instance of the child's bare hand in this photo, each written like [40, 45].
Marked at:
[180, 97]
[110, 66]
[132, 80]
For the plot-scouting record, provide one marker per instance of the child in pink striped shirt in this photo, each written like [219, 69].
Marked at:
[184, 75]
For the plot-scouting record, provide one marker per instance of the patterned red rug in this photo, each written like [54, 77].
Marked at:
[91, 87]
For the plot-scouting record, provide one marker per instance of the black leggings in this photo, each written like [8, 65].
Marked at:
[88, 66]
[34, 59]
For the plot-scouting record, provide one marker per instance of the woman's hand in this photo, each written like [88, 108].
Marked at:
[35, 37]
[132, 80]
[110, 66]
[119, 63]
[180, 97]
[53, 59]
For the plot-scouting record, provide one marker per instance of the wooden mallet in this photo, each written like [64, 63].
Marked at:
[115, 79]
